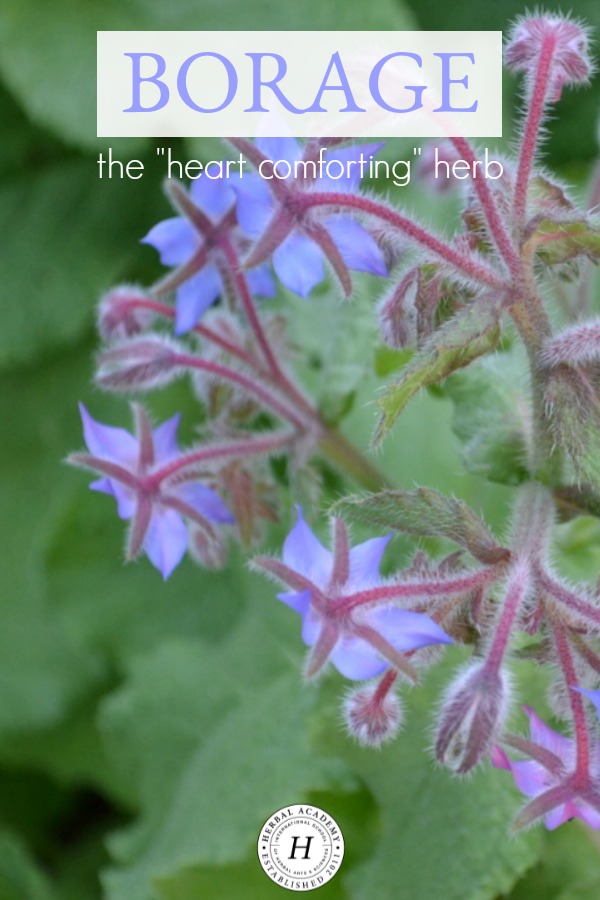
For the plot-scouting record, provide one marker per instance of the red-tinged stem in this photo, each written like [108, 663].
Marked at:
[239, 448]
[568, 598]
[517, 587]
[385, 685]
[251, 386]
[241, 288]
[465, 264]
[580, 725]
[535, 111]
[387, 593]
[496, 227]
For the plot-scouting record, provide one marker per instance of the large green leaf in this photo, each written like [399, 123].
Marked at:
[212, 740]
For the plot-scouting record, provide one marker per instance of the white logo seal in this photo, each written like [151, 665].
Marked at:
[300, 847]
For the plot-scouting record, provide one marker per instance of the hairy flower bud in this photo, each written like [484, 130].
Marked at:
[471, 717]
[121, 312]
[141, 363]
[398, 313]
[562, 40]
[372, 717]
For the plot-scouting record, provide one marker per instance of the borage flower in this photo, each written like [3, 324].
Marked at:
[360, 642]
[135, 474]
[194, 244]
[273, 214]
[550, 777]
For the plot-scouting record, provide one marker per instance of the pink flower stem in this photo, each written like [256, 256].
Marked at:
[580, 725]
[385, 685]
[568, 598]
[460, 261]
[517, 587]
[168, 312]
[250, 385]
[535, 107]
[496, 226]
[239, 448]
[403, 590]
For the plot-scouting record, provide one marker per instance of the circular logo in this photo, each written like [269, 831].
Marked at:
[300, 847]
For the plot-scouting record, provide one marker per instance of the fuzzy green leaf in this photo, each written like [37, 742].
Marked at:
[468, 335]
[425, 512]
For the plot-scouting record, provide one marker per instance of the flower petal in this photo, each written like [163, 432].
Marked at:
[357, 660]
[304, 552]
[530, 777]
[194, 297]
[164, 438]
[260, 282]
[546, 737]
[275, 148]
[166, 540]
[558, 816]
[299, 601]
[594, 696]
[110, 443]
[298, 263]
[214, 196]
[125, 499]
[205, 501]
[365, 560]
[358, 248]
[406, 630]
[588, 814]
[175, 239]
[254, 205]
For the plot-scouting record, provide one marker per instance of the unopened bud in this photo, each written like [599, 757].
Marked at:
[138, 364]
[370, 718]
[472, 715]
[398, 313]
[210, 550]
[122, 313]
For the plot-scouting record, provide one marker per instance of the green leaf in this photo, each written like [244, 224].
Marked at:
[468, 335]
[556, 242]
[427, 513]
[212, 743]
[48, 50]
[66, 237]
[568, 869]
[440, 836]
[491, 418]
[20, 876]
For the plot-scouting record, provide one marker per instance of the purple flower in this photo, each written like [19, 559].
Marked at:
[301, 246]
[551, 775]
[136, 472]
[194, 247]
[360, 643]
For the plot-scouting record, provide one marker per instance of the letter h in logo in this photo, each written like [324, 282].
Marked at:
[296, 846]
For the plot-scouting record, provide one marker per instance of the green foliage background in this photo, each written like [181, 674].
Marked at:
[147, 730]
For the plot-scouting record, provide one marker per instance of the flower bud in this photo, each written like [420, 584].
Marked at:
[141, 363]
[398, 313]
[121, 313]
[471, 717]
[564, 40]
[370, 718]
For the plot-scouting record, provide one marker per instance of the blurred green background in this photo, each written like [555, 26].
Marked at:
[147, 730]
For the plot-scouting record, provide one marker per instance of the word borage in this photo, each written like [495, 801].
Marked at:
[305, 83]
